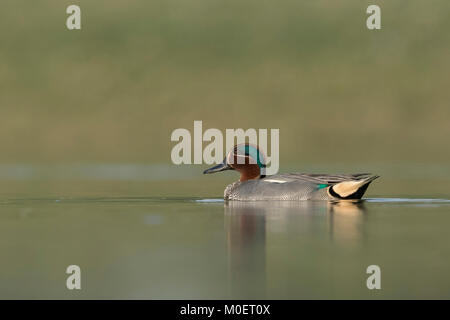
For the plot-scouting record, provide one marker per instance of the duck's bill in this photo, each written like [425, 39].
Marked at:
[218, 168]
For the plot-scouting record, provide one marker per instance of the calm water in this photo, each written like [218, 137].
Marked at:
[154, 248]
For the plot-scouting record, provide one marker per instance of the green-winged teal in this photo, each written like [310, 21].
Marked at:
[254, 185]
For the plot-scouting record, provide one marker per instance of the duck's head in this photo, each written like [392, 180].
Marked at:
[245, 158]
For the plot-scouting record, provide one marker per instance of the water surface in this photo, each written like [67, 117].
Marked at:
[205, 248]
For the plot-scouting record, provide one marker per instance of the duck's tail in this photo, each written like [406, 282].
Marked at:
[352, 189]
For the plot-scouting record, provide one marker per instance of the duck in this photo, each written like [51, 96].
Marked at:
[254, 185]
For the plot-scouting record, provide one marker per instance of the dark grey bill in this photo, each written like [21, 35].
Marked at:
[220, 167]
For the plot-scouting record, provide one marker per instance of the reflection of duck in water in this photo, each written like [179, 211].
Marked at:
[246, 246]
[262, 235]
[254, 185]
[276, 214]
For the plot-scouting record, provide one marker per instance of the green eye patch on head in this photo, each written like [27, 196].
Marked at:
[252, 152]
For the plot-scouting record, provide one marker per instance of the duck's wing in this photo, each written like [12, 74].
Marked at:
[329, 179]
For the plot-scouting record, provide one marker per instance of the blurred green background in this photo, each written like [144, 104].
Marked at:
[114, 91]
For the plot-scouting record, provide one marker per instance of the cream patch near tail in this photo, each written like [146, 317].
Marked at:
[346, 189]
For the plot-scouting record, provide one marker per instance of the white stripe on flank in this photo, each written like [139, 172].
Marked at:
[276, 181]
